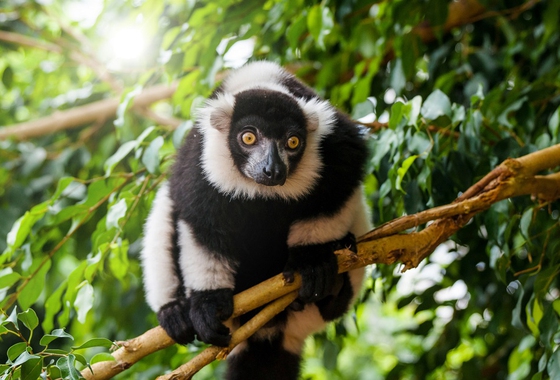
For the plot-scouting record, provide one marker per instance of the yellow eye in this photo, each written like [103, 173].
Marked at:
[293, 142]
[248, 138]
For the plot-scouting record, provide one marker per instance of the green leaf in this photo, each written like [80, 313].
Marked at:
[525, 222]
[23, 358]
[84, 301]
[150, 158]
[53, 304]
[363, 109]
[548, 327]
[95, 342]
[519, 363]
[180, 132]
[512, 108]
[534, 316]
[295, 31]
[144, 134]
[75, 279]
[81, 359]
[97, 191]
[116, 212]
[31, 292]
[125, 104]
[8, 277]
[553, 367]
[32, 368]
[319, 23]
[55, 334]
[413, 108]
[121, 153]
[550, 18]
[29, 319]
[397, 111]
[101, 357]
[516, 320]
[63, 183]
[12, 318]
[22, 227]
[8, 77]
[56, 351]
[16, 350]
[118, 259]
[67, 368]
[401, 172]
[70, 212]
[315, 21]
[436, 104]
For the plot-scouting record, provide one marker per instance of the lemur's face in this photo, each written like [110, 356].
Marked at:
[267, 136]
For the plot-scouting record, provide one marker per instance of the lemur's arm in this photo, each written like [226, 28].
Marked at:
[312, 243]
[209, 279]
[164, 289]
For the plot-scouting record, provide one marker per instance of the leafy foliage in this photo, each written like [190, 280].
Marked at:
[447, 107]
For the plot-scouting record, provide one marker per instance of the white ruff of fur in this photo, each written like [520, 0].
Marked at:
[217, 163]
[159, 281]
[323, 229]
[202, 270]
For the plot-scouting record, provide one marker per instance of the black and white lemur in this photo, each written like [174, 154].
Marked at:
[268, 181]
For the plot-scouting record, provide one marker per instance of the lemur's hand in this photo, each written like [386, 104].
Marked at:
[348, 242]
[209, 309]
[175, 320]
[318, 267]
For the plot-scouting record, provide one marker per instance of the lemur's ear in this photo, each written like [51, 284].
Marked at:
[318, 113]
[221, 111]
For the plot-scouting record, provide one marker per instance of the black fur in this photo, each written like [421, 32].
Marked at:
[209, 308]
[263, 360]
[175, 319]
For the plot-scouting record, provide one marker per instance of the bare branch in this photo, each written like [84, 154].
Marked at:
[82, 115]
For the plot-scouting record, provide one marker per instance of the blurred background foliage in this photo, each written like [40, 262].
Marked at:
[449, 89]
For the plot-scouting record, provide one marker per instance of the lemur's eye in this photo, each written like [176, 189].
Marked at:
[248, 138]
[293, 142]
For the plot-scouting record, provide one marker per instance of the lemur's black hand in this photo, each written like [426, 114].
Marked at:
[175, 320]
[348, 242]
[209, 308]
[318, 267]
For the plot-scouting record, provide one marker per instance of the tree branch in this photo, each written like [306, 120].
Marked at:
[384, 245]
[83, 114]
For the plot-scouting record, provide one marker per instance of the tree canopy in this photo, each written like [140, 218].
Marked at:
[96, 96]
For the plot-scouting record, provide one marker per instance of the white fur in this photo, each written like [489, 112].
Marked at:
[258, 74]
[360, 225]
[201, 269]
[158, 267]
[327, 228]
[300, 325]
[217, 163]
